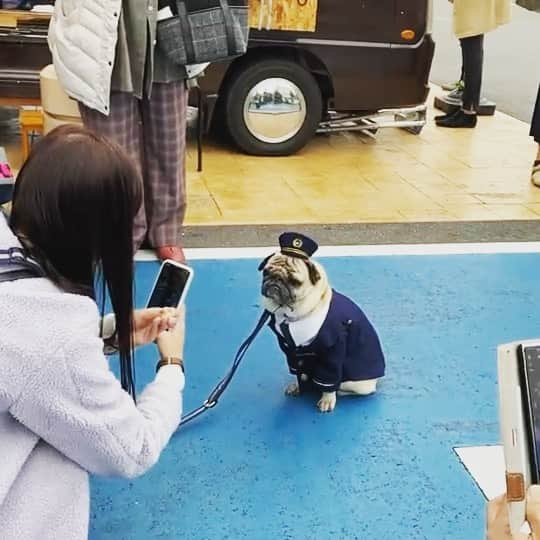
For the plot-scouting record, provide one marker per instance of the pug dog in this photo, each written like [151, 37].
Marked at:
[329, 343]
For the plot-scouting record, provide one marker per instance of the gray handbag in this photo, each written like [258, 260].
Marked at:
[203, 30]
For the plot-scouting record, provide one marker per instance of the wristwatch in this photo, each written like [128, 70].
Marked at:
[109, 335]
[170, 361]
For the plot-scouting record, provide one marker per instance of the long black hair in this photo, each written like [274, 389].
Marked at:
[73, 208]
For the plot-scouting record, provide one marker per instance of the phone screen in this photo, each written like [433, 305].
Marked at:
[530, 384]
[169, 287]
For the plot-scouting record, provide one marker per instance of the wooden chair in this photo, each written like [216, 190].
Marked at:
[31, 122]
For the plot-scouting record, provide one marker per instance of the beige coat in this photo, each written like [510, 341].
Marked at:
[475, 17]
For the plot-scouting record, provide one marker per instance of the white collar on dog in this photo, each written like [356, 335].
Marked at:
[305, 330]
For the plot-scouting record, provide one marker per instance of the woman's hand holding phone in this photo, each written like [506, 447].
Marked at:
[498, 526]
[170, 289]
[171, 342]
[149, 323]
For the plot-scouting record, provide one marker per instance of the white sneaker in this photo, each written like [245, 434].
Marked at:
[448, 87]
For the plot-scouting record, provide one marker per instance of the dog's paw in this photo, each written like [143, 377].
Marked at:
[327, 403]
[292, 389]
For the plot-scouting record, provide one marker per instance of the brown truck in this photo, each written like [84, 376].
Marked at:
[311, 65]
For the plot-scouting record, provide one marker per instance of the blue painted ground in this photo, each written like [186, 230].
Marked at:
[264, 466]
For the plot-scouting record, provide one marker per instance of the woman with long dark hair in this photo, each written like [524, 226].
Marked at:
[62, 411]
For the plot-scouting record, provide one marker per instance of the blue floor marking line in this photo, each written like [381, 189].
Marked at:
[265, 466]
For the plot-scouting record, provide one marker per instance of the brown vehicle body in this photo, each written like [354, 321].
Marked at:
[23, 53]
[357, 52]
[364, 55]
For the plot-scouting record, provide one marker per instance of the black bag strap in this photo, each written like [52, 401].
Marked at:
[187, 35]
[229, 26]
[17, 265]
[180, 8]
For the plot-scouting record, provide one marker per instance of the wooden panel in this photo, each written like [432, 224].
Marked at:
[294, 15]
[12, 19]
[18, 101]
[23, 54]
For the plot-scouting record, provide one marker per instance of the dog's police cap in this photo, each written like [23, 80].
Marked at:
[297, 245]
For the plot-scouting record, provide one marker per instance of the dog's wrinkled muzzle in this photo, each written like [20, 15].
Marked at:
[277, 291]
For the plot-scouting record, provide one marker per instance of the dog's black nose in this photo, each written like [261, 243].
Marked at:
[270, 290]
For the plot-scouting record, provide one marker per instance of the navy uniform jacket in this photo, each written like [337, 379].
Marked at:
[346, 348]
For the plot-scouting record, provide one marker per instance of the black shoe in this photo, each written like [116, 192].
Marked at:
[458, 120]
[445, 116]
[145, 243]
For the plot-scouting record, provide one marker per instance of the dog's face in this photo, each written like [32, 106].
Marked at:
[287, 281]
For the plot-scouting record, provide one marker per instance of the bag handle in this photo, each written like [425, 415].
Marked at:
[179, 9]
[229, 26]
[187, 35]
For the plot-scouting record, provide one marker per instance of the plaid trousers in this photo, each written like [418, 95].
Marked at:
[153, 133]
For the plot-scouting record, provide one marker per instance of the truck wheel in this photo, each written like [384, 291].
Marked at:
[272, 108]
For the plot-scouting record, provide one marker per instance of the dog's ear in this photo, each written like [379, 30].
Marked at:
[314, 274]
[264, 262]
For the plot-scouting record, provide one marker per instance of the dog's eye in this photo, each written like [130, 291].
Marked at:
[295, 282]
[265, 272]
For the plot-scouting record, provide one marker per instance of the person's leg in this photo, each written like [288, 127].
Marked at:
[164, 139]
[473, 65]
[122, 126]
[473, 62]
[535, 123]
[535, 133]
[535, 174]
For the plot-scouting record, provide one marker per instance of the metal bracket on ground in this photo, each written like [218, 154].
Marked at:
[412, 119]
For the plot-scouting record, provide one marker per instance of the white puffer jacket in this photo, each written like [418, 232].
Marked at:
[82, 39]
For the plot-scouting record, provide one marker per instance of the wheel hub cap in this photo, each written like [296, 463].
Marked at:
[275, 110]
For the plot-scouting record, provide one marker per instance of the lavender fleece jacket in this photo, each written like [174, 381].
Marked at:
[63, 413]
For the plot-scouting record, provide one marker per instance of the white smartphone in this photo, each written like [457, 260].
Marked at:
[518, 366]
[171, 285]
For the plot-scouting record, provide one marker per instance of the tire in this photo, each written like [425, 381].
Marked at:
[294, 129]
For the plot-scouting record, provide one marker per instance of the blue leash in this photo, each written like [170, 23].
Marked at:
[212, 400]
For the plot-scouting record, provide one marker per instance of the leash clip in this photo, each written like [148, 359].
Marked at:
[209, 404]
